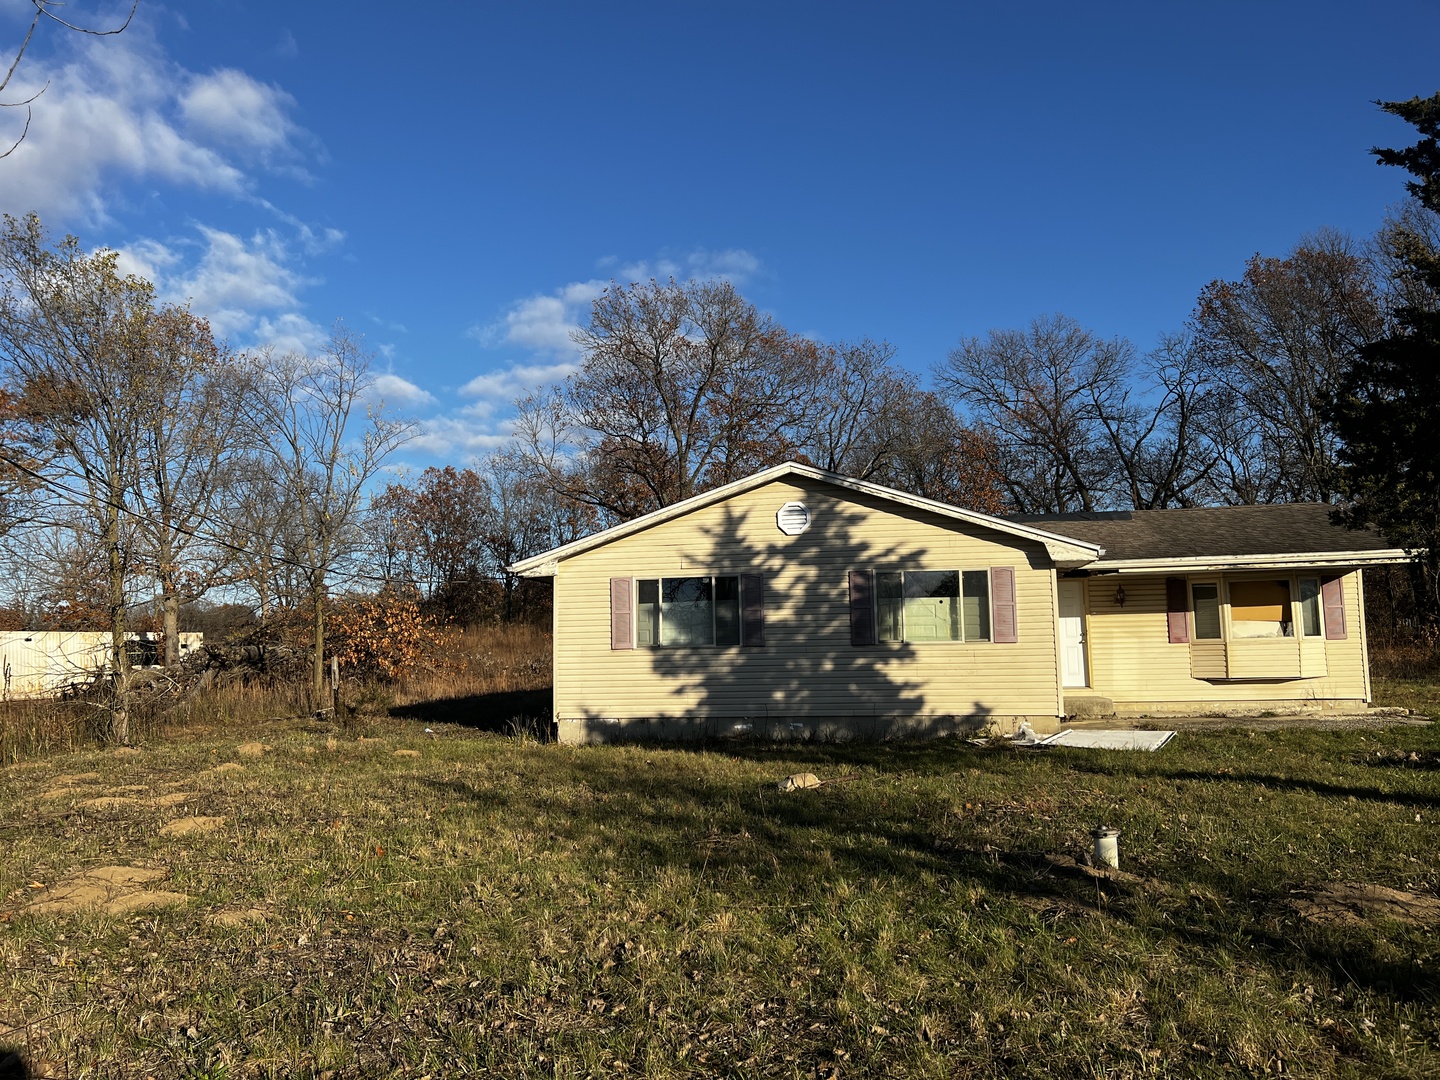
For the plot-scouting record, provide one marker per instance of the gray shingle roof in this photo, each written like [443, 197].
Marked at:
[1214, 532]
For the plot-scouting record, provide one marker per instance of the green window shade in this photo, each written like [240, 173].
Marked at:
[1207, 612]
[932, 605]
[975, 605]
[1310, 607]
[889, 601]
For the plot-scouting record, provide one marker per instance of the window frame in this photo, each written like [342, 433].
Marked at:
[987, 612]
[1295, 580]
[659, 611]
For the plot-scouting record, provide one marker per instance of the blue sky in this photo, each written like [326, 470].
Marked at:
[456, 181]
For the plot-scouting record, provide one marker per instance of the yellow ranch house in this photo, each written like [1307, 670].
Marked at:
[798, 603]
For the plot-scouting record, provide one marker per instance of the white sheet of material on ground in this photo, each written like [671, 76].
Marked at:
[1096, 739]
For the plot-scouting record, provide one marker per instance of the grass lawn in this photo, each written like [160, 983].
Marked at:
[485, 905]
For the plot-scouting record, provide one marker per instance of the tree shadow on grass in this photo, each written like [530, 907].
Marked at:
[1272, 782]
[510, 712]
[656, 812]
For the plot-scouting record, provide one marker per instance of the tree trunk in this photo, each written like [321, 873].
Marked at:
[317, 682]
[170, 624]
[120, 705]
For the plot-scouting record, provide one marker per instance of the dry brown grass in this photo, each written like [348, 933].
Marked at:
[487, 676]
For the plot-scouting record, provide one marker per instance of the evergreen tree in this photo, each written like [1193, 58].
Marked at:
[1387, 408]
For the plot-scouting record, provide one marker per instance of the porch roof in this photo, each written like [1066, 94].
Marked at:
[1217, 537]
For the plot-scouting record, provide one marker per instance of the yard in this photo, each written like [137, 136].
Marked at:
[296, 901]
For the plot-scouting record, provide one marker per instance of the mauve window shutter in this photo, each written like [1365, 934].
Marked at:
[1332, 592]
[752, 609]
[862, 607]
[1002, 603]
[622, 613]
[1177, 606]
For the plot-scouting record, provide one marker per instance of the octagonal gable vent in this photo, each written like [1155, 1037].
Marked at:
[793, 518]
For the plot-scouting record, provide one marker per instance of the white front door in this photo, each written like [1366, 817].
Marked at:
[1073, 669]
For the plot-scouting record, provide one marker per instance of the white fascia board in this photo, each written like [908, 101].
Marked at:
[1286, 561]
[1066, 552]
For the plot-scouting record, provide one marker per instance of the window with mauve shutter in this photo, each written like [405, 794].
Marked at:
[1332, 592]
[1002, 601]
[862, 607]
[622, 614]
[752, 607]
[1177, 607]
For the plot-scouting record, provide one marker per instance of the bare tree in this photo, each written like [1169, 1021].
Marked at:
[1278, 339]
[683, 387]
[326, 439]
[190, 433]
[74, 339]
[1042, 394]
[45, 11]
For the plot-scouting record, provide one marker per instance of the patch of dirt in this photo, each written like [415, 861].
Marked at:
[114, 890]
[113, 802]
[78, 778]
[186, 825]
[236, 917]
[407, 753]
[251, 749]
[1340, 903]
[116, 802]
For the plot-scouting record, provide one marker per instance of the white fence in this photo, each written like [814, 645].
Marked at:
[41, 664]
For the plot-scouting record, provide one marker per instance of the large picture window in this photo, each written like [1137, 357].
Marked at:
[1260, 609]
[932, 605]
[687, 611]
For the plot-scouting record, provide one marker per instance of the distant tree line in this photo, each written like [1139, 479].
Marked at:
[146, 467]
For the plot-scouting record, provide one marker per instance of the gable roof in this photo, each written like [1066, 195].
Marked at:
[1066, 552]
[1217, 537]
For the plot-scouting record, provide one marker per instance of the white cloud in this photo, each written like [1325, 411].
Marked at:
[457, 434]
[394, 390]
[118, 108]
[543, 324]
[502, 387]
[735, 265]
[231, 108]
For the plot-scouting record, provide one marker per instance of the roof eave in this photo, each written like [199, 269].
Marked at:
[1066, 552]
[1283, 561]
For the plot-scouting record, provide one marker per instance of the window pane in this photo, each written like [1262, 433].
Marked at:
[889, 593]
[1310, 606]
[727, 611]
[931, 583]
[932, 605]
[687, 611]
[1260, 609]
[647, 612]
[976, 605]
[1207, 612]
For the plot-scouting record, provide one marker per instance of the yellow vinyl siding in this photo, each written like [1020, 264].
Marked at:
[1134, 664]
[808, 667]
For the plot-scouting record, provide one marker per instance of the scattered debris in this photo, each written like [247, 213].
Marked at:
[799, 782]
[1027, 738]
